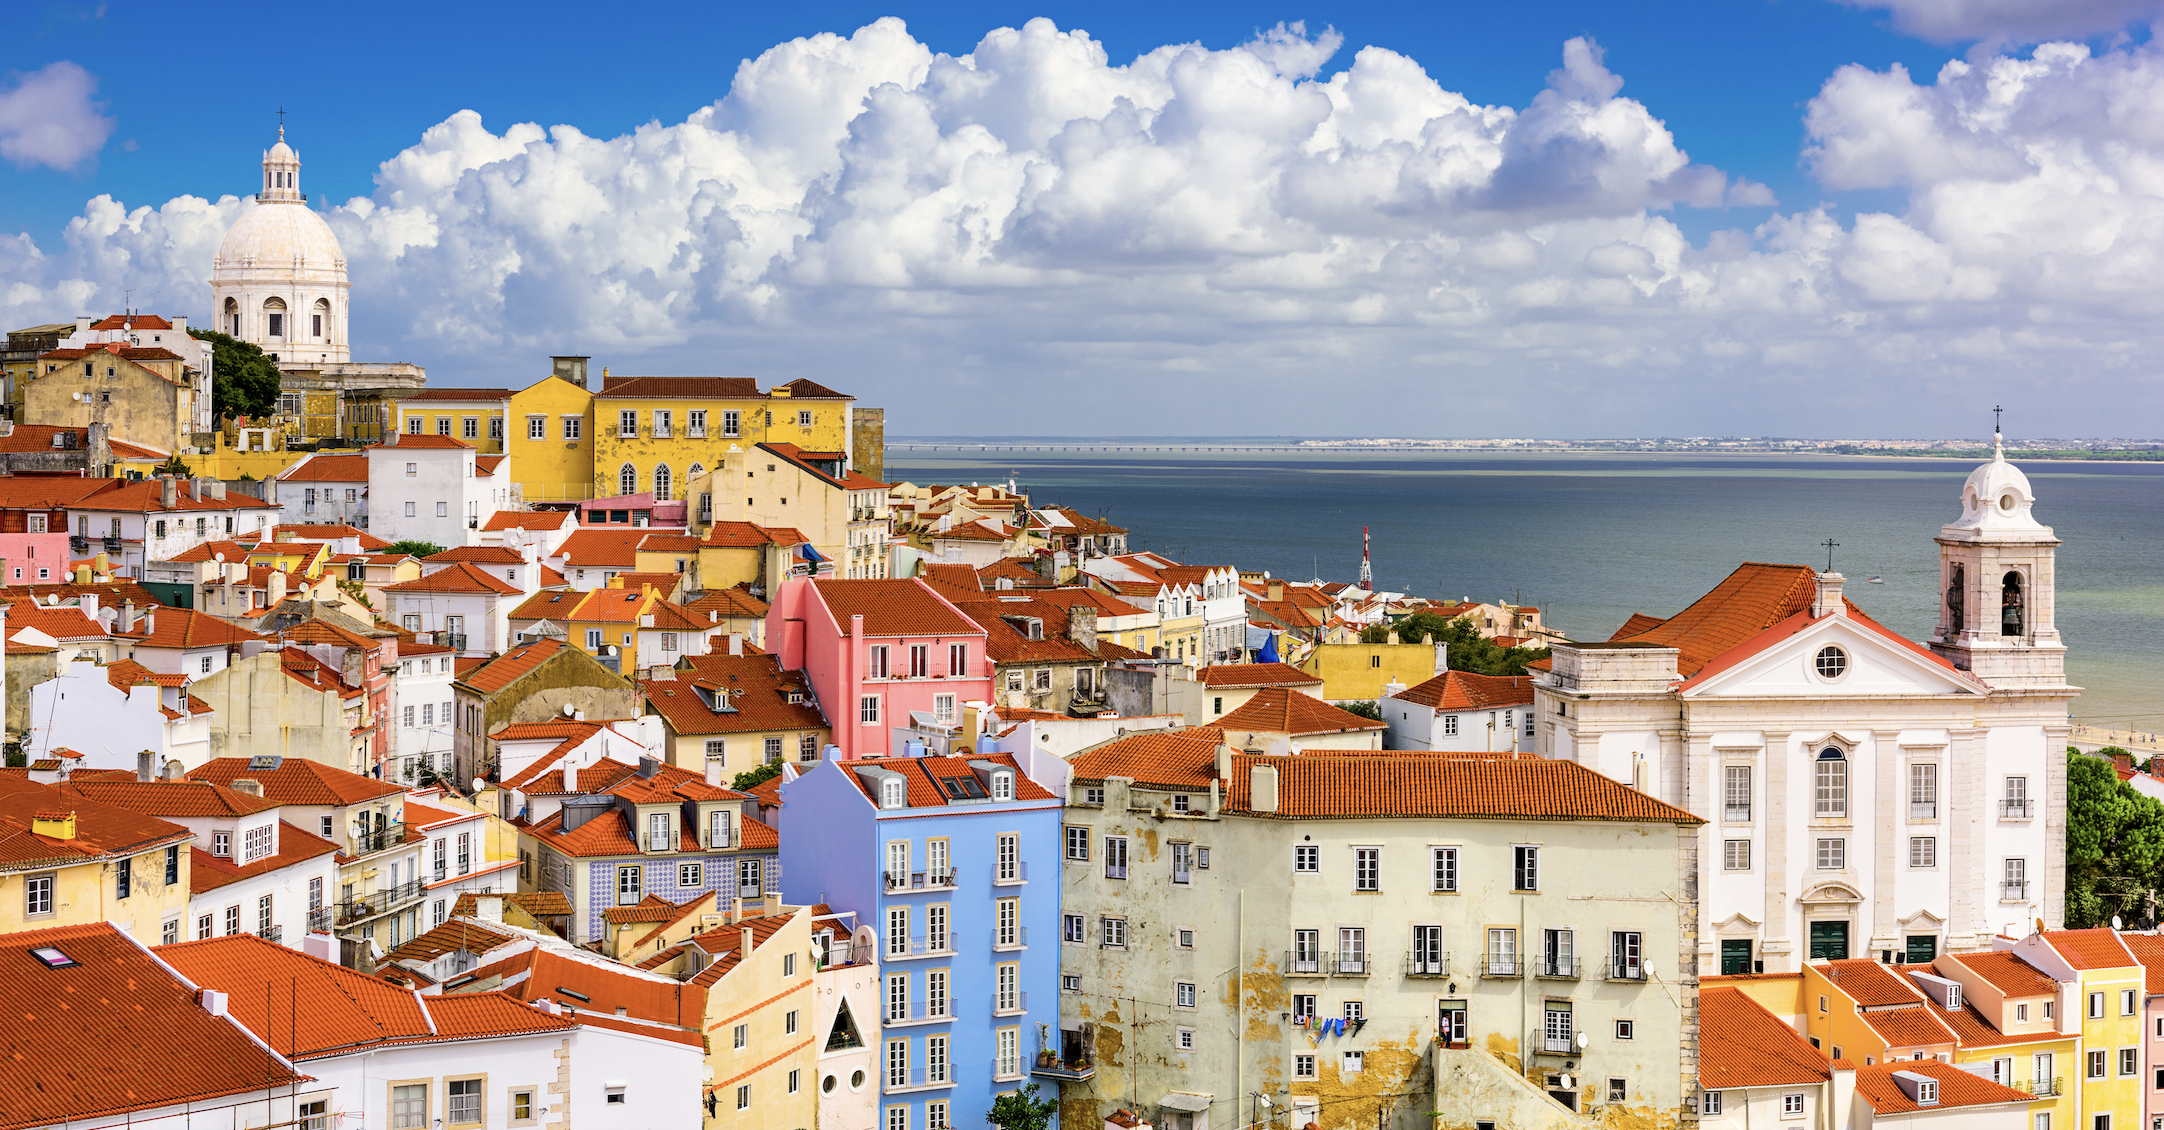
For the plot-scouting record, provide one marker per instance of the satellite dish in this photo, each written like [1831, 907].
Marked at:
[52, 600]
[2114, 921]
[1583, 1040]
[569, 710]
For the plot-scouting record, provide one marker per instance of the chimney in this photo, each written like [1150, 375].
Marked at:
[1844, 1091]
[572, 369]
[648, 766]
[274, 589]
[1082, 626]
[1828, 602]
[571, 778]
[736, 643]
[488, 908]
[168, 491]
[743, 936]
[1392, 638]
[1224, 761]
[213, 1002]
[713, 772]
[127, 615]
[217, 490]
[195, 488]
[145, 765]
[1262, 788]
[248, 785]
[1275, 591]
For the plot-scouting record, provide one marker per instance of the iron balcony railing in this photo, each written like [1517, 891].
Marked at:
[1349, 963]
[840, 953]
[919, 947]
[1618, 972]
[1561, 967]
[1500, 965]
[1736, 813]
[1560, 1043]
[2014, 808]
[1427, 963]
[376, 839]
[1303, 963]
[319, 919]
[915, 1077]
[2041, 1086]
[456, 641]
[383, 901]
[1010, 938]
[921, 880]
[274, 934]
[920, 1012]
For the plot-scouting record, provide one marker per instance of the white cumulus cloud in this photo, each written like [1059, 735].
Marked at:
[1031, 237]
[2012, 21]
[47, 117]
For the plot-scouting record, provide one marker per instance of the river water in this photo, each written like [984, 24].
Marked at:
[1594, 537]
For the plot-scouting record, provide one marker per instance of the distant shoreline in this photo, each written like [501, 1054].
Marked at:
[1172, 445]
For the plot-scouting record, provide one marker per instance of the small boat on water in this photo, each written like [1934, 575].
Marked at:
[1874, 580]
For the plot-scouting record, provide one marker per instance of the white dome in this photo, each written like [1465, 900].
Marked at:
[281, 236]
[1997, 498]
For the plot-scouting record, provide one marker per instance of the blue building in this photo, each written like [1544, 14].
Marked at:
[938, 850]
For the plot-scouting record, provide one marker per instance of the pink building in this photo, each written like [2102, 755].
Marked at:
[878, 652]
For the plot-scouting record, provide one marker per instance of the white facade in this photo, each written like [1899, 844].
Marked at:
[481, 620]
[455, 862]
[155, 533]
[1414, 725]
[1862, 795]
[424, 488]
[324, 502]
[282, 904]
[423, 718]
[279, 279]
[81, 710]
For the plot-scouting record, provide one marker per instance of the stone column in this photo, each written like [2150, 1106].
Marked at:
[1776, 946]
[1973, 887]
[2053, 902]
[1889, 826]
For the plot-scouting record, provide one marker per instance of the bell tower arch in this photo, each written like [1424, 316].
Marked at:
[1997, 576]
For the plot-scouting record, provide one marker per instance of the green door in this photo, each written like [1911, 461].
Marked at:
[1829, 941]
[1922, 948]
[1735, 956]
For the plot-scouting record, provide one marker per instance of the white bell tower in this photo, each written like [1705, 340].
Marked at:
[1996, 583]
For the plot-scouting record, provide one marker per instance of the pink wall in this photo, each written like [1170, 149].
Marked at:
[27, 553]
[805, 636]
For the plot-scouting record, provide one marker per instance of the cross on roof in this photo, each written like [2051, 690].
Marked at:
[1830, 545]
[1995, 420]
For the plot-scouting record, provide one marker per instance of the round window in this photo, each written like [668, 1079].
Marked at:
[856, 1079]
[826, 1085]
[1831, 662]
[2007, 501]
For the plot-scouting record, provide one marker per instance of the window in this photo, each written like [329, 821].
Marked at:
[573, 425]
[1070, 982]
[2129, 1002]
[2129, 1061]
[1352, 947]
[443, 510]
[1450, 725]
[1367, 869]
[1736, 793]
[1832, 854]
[1831, 662]
[462, 1102]
[123, 878]
[1618, 1090]
[1306, 857]
[172, 874]
[868, 710]
[1830, 781]
[743, 1096]
[1008, 852]
[1115, 857]
[1071, 928]
[2096, 1065]
[920, 661]
[1007, 932]
[663, 483]
[1112, 933]
[1923, 851]
[730, 426]
[1444, 870]
[1007, 990]
[628, 887]
[957, 659]
[1626, 1030]
[1626, 955]
[1184, 1039]
[1525, 868]
[891, 794]
[2017, 879]
[1350, 1063]
[1008, 1064]
[1078, 844]
[221, 844]
[409, 1107]
[1183, 994]
[1093, 795]
[1735, 855]
[1184, 937]
[689, 874]
[38, 895]
[1711, 1103]
[1303, 1008]
[443, 425]
[1792, 1104]
[1923, 791]
[1303, 1066]
[1503, 952]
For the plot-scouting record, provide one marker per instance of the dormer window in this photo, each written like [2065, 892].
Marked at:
[1927, 1092]
[657, 832]
[1002, 786]
[717, 830]
[890, 793]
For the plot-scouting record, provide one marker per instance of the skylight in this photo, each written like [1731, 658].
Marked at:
[962, 788]
[53, 958]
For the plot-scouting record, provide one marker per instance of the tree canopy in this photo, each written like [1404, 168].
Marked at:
[243, 378]
[1468, 650]
[1022, 1110]
[414, 548]
[2114, 844]
[750, 779]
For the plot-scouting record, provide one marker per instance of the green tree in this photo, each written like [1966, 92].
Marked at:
[2114, 843]
[174, 466]
[1468, 650]
[750, 779]
[1368, 709]
[414, 548]
[1022, 1110]
[243, 378]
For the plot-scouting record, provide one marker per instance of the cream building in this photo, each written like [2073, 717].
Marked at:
[1864, 795]
[1369, 942]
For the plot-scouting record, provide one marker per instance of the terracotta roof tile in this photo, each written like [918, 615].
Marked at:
[1740, 1044]
[462, 576]
[1468, 690]
[95, 1039]
[1753, 598]
[1918, 1027]
[498, 673]
[757, 692]
[603, 548]
[2150, 949]
[1227, 675]
[167, 798]
[1166, 759]
[1875, 1084]
[426, 395]
[328, 469]
[297, 780]
[184, 628]
[479, 555]
[2009, 974]
[923, 775]
[894, 608]
[1282, 710]
[694, 388]
[2098, 948]
[741, 535]
[1350, 784]
[1869, 983]
[532, 520]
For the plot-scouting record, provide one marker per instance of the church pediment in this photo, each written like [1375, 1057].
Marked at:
[1923, 921]
[1832, 657]
[1737, 923]
[1830, 892]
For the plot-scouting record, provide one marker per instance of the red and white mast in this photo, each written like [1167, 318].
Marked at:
[1367, 573]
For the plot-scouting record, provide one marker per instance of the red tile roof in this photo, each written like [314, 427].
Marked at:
[1357, 784]
[207, 872]
[166, 798]
[923, 775]
[328, 469]
[479, 555]
[131, 321]
[1468, 690]
[1230, 675]
[99, 1038]
[805, 389]
[2150, 949]
[457, 394]
[1917, 1027]
[733, 603]
[462, 576]
[1869, 983]
[894, 608]
[498, 673]
[2008, 973]
[530, 520]
[603, 548]
[694, 388]
[144, 496]
[2097, 948]
[298, 781]
[1753, 598]
[184, 628]
[757, 692]
[1282, 710]
[304, 532]
[1165, 759]
[1740, 1044]
[1875, 1084]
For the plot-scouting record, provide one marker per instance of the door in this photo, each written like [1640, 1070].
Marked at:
[1428, 950]
[1735, 956]
[1829, 941]
[1922, 949]
[1450, 1021]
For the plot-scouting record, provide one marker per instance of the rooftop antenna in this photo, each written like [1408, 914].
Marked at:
[1367, 573]
[1830, 545]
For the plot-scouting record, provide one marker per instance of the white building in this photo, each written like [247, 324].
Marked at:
[159, 519]
[424, 721]
[1460, 711]
[106, 715]
[462, 607]
[325, 489]
[1865, 795]
[428, 488]
[279, 279]
[455, 862]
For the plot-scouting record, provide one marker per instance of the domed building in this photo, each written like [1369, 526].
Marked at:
[279, 280]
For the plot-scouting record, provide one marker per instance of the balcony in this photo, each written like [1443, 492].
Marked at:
[1303, 963]
[319, 920]
[2041, 1086]
[78, 544]
[1561, 967]
[1558, 1045]
[1013, 875]
[915, 1079]
[1736, 813]
[1427, 964]
[1501, 965]
[1016, 1007]
[1626, 972]
[1349, 963]
[919, 947]
[2014, 891]
[1923, 810]
[375, 839]
[2015, 808]
[919, 1012]
[381, 902]
[841, 953]
[920, 880]
[1073, 1071]
[1010, 938]
[274, 934]
[112, 545]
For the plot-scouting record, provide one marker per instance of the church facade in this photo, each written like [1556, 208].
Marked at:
[1864, 795]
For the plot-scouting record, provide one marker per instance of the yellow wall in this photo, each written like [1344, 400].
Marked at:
[2118, 1094]
[829, 431]
[144, 407]
[84, 893]
[1840, 1026]
[431, 412]
[756, 994]
[552, 469]
[230, 463]
[1778, 993]
[2064, 1056]
[1349, 670]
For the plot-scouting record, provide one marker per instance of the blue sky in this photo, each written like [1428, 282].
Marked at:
[1646, 294]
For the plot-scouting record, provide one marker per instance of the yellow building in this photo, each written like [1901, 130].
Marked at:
[2101, 977]
[142, 394]
[552, 435]
[762, 1046]
[779, 487]
[2018, 1038]
[1359, 671]
[67, 861]
[660, 433]
[639, 625]
[474, 415]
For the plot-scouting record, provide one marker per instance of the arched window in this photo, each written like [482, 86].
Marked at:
[661, 482]
[274, 316]
[1830, 781]
[2010, 605]
[232, 317]
[1956, 598]
[322, 317]
[627, 480]
[692, 475]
